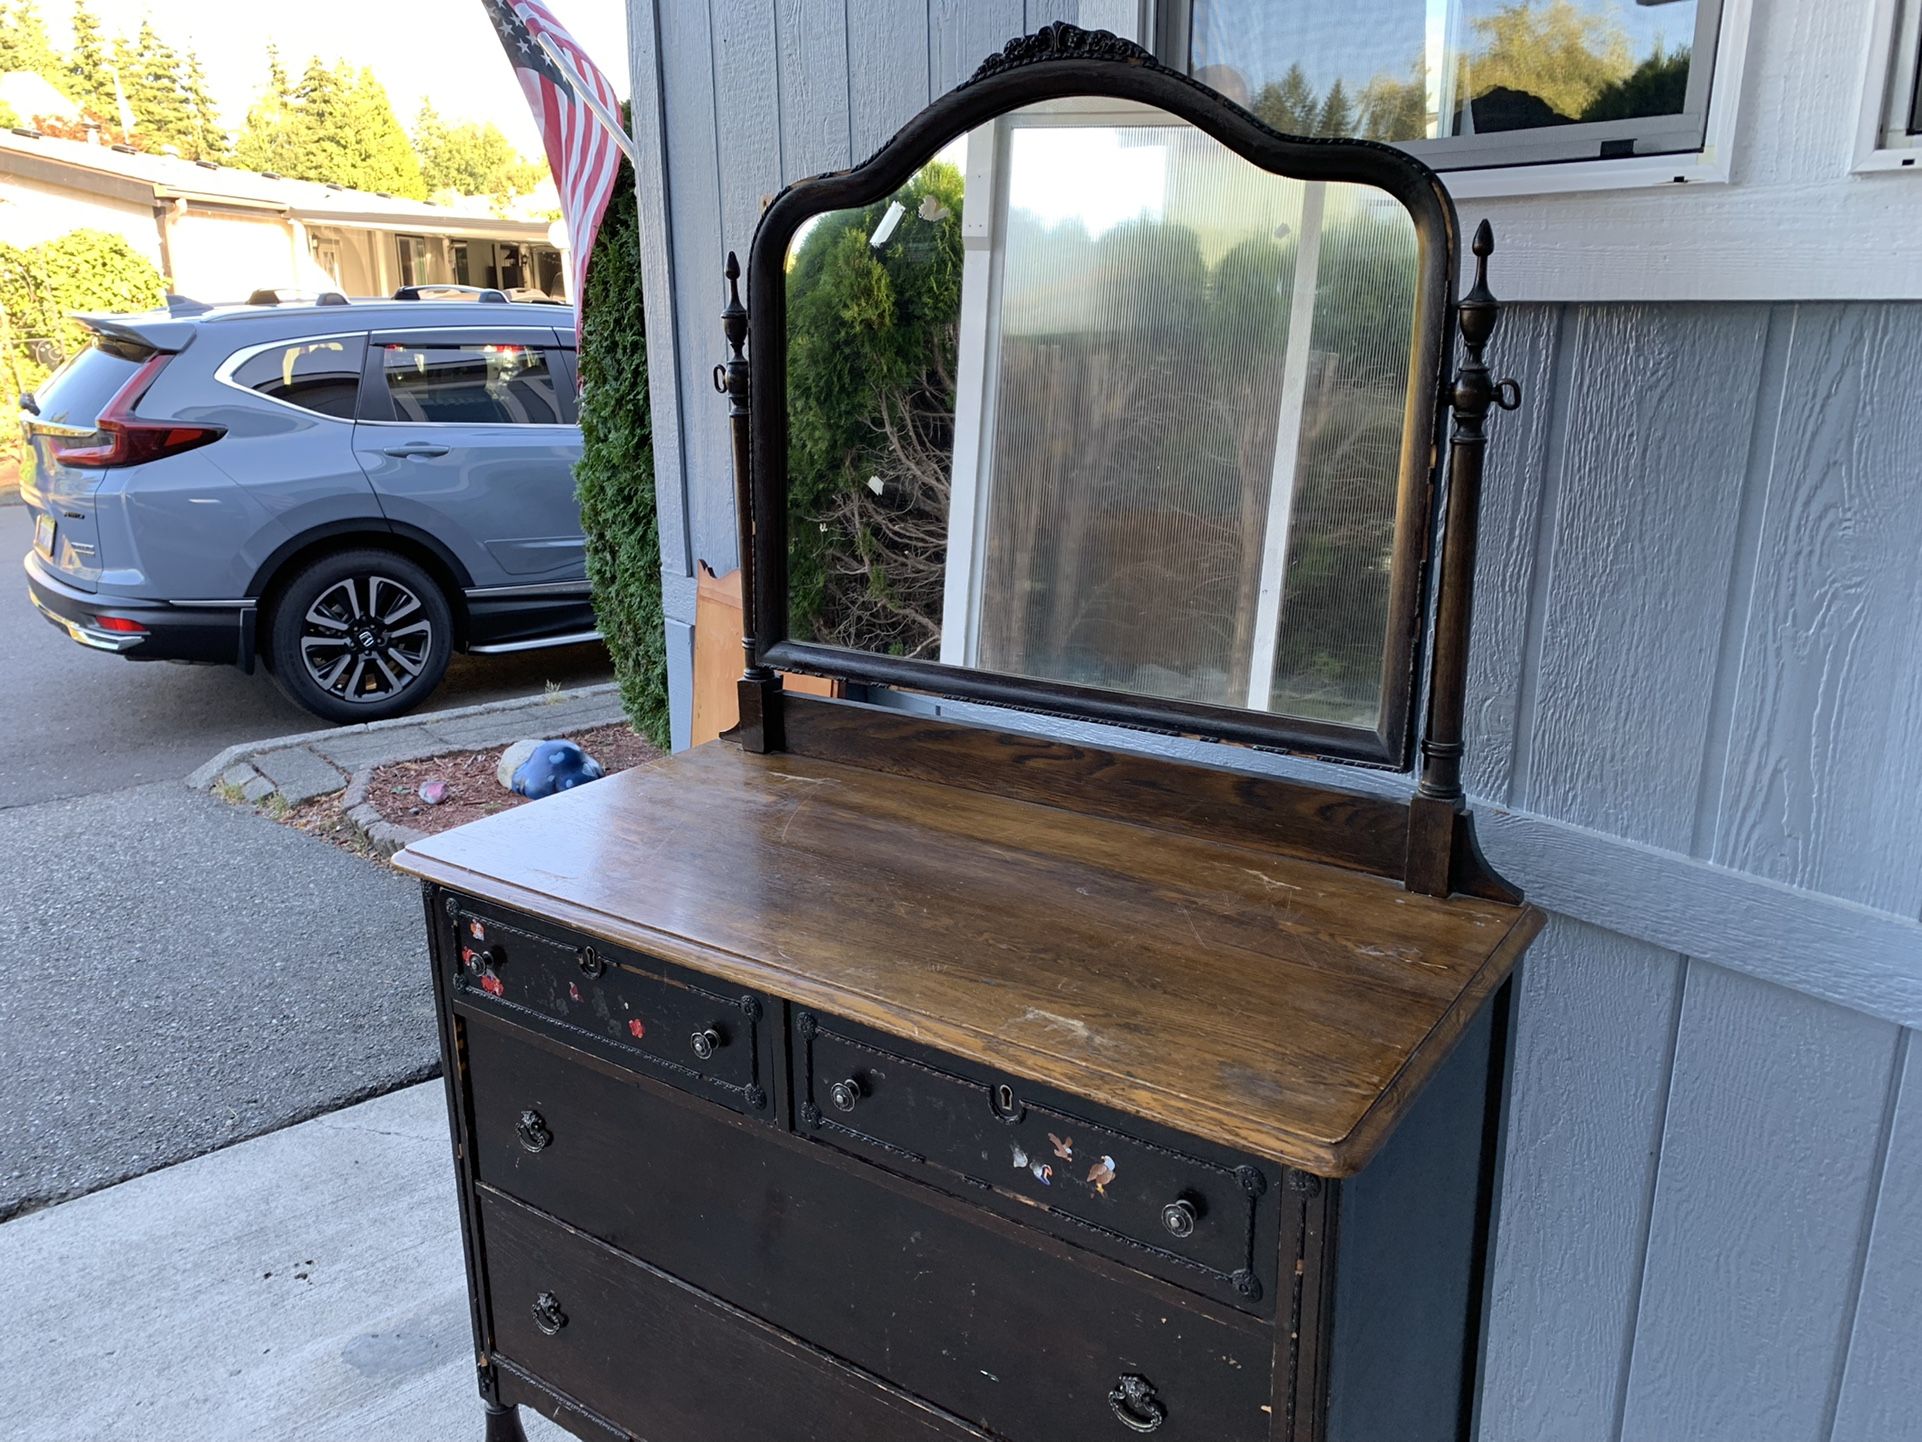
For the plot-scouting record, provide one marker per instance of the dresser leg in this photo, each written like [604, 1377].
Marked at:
[504, 1424]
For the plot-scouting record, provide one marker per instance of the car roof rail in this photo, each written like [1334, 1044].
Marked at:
[431, 291]
[271, 296]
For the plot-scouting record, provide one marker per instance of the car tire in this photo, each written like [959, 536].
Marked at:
[359, 636]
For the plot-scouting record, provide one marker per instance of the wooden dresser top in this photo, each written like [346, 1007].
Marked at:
[1281, 1006]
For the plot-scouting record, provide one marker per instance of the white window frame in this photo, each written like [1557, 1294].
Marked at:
[1889, 89]
[1711, 165]
[977, 385]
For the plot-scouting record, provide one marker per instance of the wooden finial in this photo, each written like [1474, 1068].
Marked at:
[734, 314]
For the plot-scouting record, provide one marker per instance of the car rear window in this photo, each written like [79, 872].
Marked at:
[78, 392]
[322, 376]
[509, 385]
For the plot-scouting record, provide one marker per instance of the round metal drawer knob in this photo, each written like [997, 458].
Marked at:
[533, 1131]
[706, 1043]
[1134, 1403]
[844, 1094]
[548, 1315]
[1179, 1217]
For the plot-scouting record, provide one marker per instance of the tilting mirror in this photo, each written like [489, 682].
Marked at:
[1094, 401]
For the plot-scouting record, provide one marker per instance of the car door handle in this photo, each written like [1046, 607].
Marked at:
[415, 448]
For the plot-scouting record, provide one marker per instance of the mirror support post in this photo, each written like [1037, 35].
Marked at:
[1437, 806]
[759, 728]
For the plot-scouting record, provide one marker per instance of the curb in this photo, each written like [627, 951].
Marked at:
[383, 835]
[308, 764]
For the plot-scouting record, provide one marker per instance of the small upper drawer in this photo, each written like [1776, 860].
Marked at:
[643, 1013]
[1196, 1216]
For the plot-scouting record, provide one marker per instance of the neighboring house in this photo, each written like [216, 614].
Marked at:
[1697, 714]
[220, 233]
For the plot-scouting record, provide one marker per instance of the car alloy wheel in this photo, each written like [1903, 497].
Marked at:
[366, 639]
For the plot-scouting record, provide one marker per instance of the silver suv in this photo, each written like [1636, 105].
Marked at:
[346, 491]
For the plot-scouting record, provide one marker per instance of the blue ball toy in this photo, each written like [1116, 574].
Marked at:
[555, 766]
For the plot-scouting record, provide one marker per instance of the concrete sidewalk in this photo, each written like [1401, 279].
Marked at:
[306, 1285]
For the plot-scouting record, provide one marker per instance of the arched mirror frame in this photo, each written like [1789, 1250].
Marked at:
[1056, 63]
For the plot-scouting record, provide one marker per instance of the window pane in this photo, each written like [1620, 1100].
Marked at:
[472, 385]
[78, 392]
[1407, 70]
[316, 375]
[1334, 601]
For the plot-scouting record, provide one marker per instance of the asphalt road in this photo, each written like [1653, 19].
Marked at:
[176, 973]
[83, 722]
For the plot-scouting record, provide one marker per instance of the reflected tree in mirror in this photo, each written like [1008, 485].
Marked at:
[1415, 70]
[1126, 414]
[872, 322]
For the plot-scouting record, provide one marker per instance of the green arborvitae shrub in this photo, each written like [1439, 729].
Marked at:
[615, 476]
[872, 336]
[42, 285]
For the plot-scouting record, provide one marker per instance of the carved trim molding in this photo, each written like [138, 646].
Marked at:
[1062, 41]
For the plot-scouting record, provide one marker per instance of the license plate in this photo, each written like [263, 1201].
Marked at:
[43, 536]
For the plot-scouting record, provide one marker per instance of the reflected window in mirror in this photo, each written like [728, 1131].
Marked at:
[1094, 400]
[1463, 83]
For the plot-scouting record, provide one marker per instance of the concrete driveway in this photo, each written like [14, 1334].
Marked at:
[177, 974]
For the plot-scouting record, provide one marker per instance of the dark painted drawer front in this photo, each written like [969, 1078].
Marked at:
[665, 1362]
[644, 1013]
[1206, 1221]
[1014, 1331]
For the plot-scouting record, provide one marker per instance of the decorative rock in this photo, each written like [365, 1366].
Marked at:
[555, 766]
[433, 792]
[511, 760]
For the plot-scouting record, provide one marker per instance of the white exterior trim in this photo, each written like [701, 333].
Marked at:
[1893, 24]
[1776, 207]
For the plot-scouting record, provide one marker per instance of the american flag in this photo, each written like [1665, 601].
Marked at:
[582, 153]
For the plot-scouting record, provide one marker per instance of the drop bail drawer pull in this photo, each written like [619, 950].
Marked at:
[1134, 1402]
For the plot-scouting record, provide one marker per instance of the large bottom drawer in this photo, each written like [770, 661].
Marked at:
[666, 1363]
[1014, 1332]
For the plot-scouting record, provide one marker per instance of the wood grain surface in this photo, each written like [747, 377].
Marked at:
[1239, 995]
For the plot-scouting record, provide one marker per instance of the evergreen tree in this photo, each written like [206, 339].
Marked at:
[264, 141]
[89, 76]
[206, 139]
[335, 124]
[150, 74]
[24, 44]
[1290, 106]
[1337, 117]
[386, 161]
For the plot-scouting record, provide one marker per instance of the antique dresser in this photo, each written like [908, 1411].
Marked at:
[1007, 1048]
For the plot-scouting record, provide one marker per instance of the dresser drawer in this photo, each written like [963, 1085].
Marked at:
[657, 1018]
[1174, 1207]
[1013, 1331]
[666, 1363]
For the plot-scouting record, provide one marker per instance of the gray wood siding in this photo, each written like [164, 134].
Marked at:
[1696, 733]
[1701, 590]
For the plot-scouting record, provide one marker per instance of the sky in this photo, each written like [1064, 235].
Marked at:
[441, 50]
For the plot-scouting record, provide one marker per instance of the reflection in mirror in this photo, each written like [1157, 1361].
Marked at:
[1093, 400]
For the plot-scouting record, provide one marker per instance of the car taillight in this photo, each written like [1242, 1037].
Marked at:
[121, 438]
[121, 624]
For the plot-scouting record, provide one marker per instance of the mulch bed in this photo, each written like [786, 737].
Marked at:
[472, 788]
